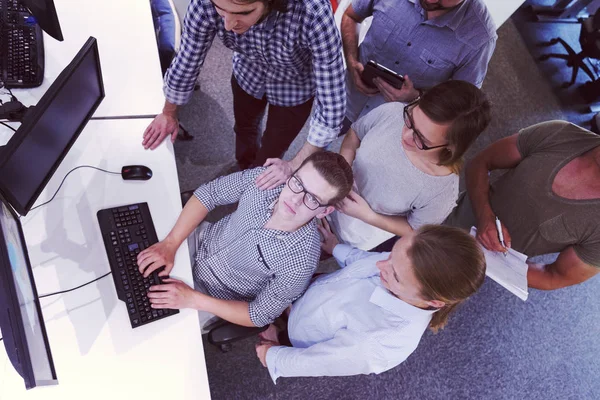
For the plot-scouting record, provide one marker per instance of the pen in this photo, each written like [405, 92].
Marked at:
[500, 235]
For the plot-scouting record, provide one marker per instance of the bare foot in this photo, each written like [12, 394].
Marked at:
[270, 334]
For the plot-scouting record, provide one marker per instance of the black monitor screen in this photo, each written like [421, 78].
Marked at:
[40, 144]
[20, 315]
[45, 15]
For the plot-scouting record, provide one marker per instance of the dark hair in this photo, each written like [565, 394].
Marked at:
[450, 266]
[272, 5]
[334, 169]
[466, 108]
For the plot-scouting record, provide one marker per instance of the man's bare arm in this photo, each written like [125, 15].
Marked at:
[350, 144]
[349, 29]
[500, 155]
[567, 270]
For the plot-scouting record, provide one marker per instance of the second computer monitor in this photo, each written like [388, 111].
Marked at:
[43, 140]
[45, 15]
[23, 329]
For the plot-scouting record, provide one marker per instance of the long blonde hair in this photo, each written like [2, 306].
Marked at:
[450, 266]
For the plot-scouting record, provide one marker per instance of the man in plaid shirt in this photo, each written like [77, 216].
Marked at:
[255, 262]
[287, 54]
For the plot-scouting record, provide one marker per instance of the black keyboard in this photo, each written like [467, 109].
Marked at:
[127, 231]
[21, 47]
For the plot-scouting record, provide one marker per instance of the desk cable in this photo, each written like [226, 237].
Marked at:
[63, 181]
[75, 288]
[8, 126]
[70, 290]
[52, 198]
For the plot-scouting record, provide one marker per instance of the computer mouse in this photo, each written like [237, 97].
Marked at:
[136, 172]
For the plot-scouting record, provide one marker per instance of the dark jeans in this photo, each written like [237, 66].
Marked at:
[283, 125]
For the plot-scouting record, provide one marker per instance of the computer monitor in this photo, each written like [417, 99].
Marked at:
[34, 152]
[23, 329]
[45, 15]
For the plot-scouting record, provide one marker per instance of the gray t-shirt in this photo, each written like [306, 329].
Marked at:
[390, 183]
[539, 221]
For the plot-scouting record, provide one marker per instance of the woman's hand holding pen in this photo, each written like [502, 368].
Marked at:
[488, 236]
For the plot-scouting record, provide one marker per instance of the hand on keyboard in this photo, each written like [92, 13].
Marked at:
[156, 256]
[173, 294]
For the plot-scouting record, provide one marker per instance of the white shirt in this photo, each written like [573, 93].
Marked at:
[347, 323]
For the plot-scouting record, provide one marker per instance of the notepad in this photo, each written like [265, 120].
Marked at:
[510, 271]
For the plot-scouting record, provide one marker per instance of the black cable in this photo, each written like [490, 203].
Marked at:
[12, 96]
[63, 181]
[8, 126]
[75, 288]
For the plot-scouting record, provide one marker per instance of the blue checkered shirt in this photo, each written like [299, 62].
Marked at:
[238, 259]
[288, 57]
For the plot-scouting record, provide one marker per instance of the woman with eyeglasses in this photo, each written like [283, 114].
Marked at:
[406, 161]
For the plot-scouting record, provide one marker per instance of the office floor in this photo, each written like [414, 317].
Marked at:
[555, 71]
[496, 346]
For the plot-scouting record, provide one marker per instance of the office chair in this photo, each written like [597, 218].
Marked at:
[589, 38]
[223, 333]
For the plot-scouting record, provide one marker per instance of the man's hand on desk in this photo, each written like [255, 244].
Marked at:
[161, 127]
[174, 294]
[158, 255]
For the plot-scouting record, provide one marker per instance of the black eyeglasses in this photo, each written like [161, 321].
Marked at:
[418, 137]
[309, 199]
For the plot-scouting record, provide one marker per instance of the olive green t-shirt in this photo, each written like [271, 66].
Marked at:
[539, 221]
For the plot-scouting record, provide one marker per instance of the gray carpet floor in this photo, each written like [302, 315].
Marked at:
[496, 346]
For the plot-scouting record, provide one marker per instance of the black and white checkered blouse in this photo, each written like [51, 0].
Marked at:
[238, 259]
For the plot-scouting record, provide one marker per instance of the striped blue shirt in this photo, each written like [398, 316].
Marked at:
[288, 57]
[347, 323]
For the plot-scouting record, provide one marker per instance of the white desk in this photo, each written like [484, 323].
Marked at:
[128, 54]
[96, 353]
[501, 10]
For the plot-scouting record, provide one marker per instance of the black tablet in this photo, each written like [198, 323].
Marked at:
[373, 70]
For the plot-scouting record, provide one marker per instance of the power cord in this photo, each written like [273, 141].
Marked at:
[70, 290]
[8, 126]
[75, 288]
[63, 181]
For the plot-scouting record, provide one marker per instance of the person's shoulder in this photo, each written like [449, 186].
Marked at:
[390, 111]
[200, 10]
[477, 27]
[315, 8]
[312, 238]
[446, 184]
[556, 134]
[249, 176]
[556, 129]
